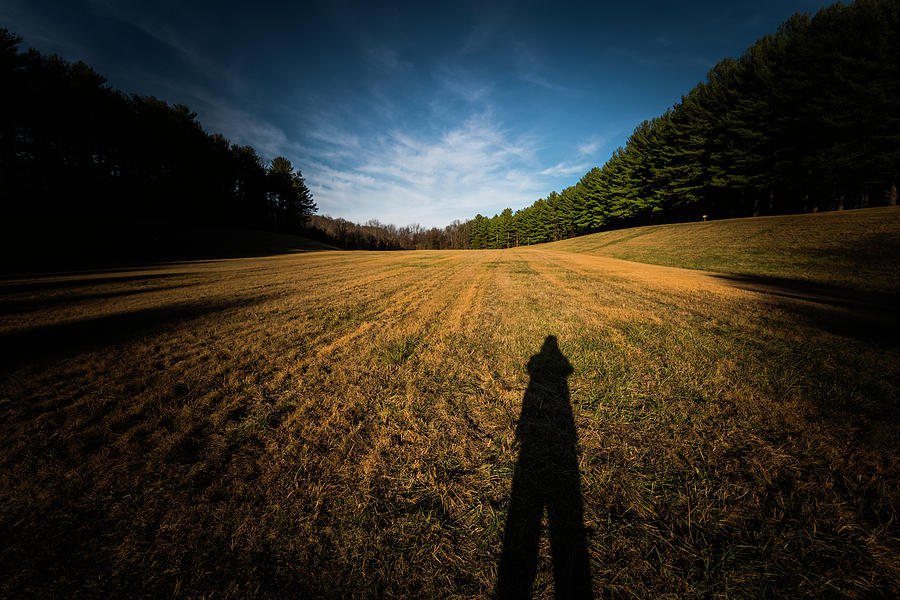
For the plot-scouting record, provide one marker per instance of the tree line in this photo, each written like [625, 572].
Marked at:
[807, 119]
[71, 146]
[374, 235]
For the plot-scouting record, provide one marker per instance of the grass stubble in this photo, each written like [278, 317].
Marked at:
[343, 425]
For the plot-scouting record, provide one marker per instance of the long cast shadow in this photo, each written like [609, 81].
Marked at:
[31, 304]
[546, 476]
[72, 283]
[58, 340]
[868, 316]
[31, 246]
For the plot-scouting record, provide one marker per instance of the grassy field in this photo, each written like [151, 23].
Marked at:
[336, 424]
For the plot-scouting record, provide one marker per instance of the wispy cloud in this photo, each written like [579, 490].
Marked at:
[244, 128]
[37, 29]
[462, 84]
[532, 69]
[152, 25]
[563, 168]
[590, 146]
[482, 35]
[754, 20]
[384, 58]
[539, 80]
[668, 59]
[665, 41]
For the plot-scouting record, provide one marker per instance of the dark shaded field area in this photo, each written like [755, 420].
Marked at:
[32, 245]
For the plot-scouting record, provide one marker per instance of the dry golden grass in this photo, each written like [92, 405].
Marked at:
[341, 424]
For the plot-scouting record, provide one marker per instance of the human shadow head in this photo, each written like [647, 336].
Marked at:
[546, 415]
[550, 361]
[547, 479]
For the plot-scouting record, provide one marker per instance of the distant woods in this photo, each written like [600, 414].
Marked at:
[807, 119]
[71, 146]
[374, 235]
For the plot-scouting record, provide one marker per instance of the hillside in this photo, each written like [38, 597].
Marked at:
[855, 249]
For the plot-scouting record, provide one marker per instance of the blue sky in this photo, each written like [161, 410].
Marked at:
[418, 112]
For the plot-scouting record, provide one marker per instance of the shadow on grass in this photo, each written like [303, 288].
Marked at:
[72, 283]
[64, 339]
[50, 245]
[11, 307]
[868, 316]
[546, 476]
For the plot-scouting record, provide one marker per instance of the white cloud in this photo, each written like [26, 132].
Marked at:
[589, 147]
[404, 178]
[562, 169]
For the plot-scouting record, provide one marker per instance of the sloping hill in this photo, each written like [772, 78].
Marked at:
[857, 249]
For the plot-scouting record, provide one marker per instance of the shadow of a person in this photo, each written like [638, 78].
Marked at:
[546, 476]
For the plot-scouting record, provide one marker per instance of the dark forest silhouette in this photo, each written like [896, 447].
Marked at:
[546, 477]
[71, 146]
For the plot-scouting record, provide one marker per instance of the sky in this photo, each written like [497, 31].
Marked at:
[420, 112]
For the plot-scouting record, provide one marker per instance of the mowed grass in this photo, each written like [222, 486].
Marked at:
[854, 249]
[340, 424]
